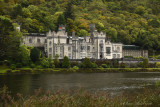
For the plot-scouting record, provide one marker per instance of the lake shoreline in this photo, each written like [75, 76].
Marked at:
[71, 70]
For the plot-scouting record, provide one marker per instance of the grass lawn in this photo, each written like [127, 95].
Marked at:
[3, 69]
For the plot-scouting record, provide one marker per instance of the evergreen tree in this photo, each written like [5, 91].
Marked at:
[9, 40]
[24, 55]
[69, 12]
[145, 63]
[56, 61]
[61, 20]
[35, 54]
[86, 63]
[66, 63]
[17, 10]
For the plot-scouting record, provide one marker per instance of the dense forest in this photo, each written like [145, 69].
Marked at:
[134, 22]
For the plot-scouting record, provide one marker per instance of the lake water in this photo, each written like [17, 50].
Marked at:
[113, 83]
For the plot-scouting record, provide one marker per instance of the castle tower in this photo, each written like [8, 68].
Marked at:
[92, 30]
[62, 28]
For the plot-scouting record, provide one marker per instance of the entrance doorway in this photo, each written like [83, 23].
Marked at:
[101, 55]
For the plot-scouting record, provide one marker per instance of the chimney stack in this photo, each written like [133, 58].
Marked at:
[73, 34]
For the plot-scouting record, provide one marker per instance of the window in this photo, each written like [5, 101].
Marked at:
[113, 48]
[82, 48]
[69, 48]
[50, 43]
[94, 55]
[30, 40]
[38, 40]
[69, 56]
[101, 47]
[67, 40]
[50, 50]
[101, 41]
[108, 50]
[83, 55]
[88, 48]
[56, 49]
[118, 55]
[61, 48]
[114, 55]
[118, 48]
[61, 55]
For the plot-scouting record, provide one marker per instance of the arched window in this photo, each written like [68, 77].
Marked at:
[30, 40]
[38, 40]
[118, 48]
[101, 41]
[50, 43]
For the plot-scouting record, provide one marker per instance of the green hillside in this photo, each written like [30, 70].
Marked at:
[127, 21]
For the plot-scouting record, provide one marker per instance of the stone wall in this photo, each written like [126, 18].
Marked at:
[35, 40]
[135, 53]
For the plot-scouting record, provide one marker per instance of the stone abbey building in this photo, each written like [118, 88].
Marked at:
[96, 46]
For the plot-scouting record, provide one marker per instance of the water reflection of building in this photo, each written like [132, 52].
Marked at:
[96, 46]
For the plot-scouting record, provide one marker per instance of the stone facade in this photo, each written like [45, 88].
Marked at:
[96, 46]
[35, 39]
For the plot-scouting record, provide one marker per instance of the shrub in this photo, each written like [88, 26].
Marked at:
[158, 57]
[35, 54]
[157, 64]
[24, 56]
[157, 83]
[53, 66]
[75, 68]
[86, 63]
[1, 62]
[128, 56]
[51, 62]
[104, 66]
[13, 66]
[100, 62]
[115, 64]
[140, 64]
[45, 63]
[56, 61]
[100, 67]
[39, 67]
[152, 65]
[94, 65]
[145, 63]
[32, 65]
[66, 63]
[19, 65]
[9, 71]
[139, 57]
[7, 62]
[123, 65]
[74, 64]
